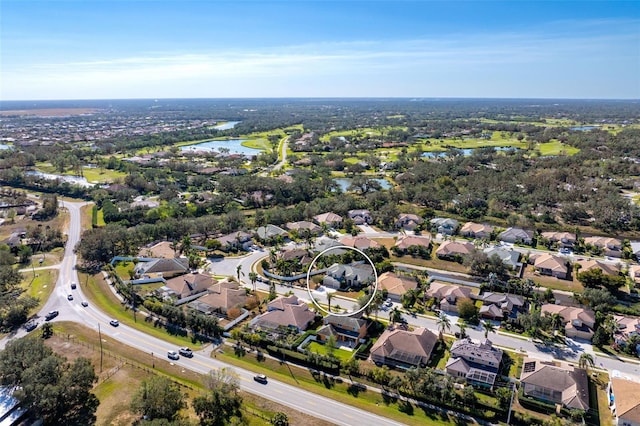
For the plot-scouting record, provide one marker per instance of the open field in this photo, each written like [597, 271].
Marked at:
[40, 285]
[101, 175]
[321, 349]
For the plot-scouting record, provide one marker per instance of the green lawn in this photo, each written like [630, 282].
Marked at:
[41, 286]
[556, 148]
[100, 175]
[319, 348]
[260, 143]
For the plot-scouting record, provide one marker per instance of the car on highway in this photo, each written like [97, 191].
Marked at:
[114, 323]
[85, 303]
[173, 355]
[31, 325]
[73, 285]
[51, 315]
[260, 378]
[186, 352]
[70, 297]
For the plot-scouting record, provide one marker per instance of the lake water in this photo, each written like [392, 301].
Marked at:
[233, 145]
[226, 126]
[583, 128]
[3, 146]
[346, 182]
[466, 151]
[77, 180]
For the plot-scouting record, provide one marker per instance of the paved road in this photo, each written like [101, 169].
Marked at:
[296, 398]
[283, 154]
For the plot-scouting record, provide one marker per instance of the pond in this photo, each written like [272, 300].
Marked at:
[233, 145]
[583, 128]
[226, 126]
[467, 151]
[344, 183]
[77, 180]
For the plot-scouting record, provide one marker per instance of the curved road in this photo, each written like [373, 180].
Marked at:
[291, 396]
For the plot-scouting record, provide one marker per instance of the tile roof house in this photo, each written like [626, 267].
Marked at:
[635, 249]
[396, 285]
[190, 284]
[329, 218]
[567, 386]
[406, 241]
[564, 239]
[476, 230]
[344, 276]
[162, 249]
[634, 273]
[360, 242]
[360, 217]
[324, 243]
[499, 305]
[408, 221]
[270, 231]
[589, 264]
[611, 246]
[477, 362]
[349, 330]
[235, 240]
[299, 255]
[303, 225]
[223, 296]
[404, 349]
[447, 295]
[549, 264]
[626, 327]
[163, 267]
[625, 404]
[578, 322]
[510, 257]
[516, 235]
[450, 250]
[285, 311]
[444, 225]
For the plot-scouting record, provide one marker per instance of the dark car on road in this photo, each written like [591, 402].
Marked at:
[70, 297]
[260, 378]
[73, 285]
[30, 326]
[51, 315]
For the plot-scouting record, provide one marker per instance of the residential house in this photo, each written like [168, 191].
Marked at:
[285, 311]
[454, 250]
[189, 284]
[477, 362]
[444, 225]
[562, 239]
[301, 256]
[589, 264]
[331, 219]
[360, 242]
[634, 272]
[304, 226]
[447, 295]
[566, 386]
[340, 276]
[635, 249]
[396, 285]
[409, 221]
[499, 305]
[625, 403]
[405, 241]
[349, 330]
[610, 246]
[269, 231]
[160, 250]
[516, 235]
[626, 327]
[578, 322]
[162, 267]
[510, 257]
[549, 264]
[235, 241]
[223, 296]
[476, 230]
[403, 348]
[325, 243]
[360, 217]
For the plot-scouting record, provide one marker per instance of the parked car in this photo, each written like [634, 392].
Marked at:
[73, 285]
[260, 378]
[51, 315]
[173, 355]
[30, 326]
[114, 323]
[85, 303]
[185, 352]
[70, 297]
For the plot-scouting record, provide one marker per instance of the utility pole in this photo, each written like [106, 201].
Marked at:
[100, 337]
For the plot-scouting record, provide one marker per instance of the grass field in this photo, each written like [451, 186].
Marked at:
[321, 349]
[100, 175]
[41, 286]
[556, 148]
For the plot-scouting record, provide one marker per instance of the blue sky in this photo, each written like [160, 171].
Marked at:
[93, 49]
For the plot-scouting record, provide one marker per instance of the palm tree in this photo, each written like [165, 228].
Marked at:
[253, 277]
[586, 361]
[488, 328]
[329, 297]
[463, 330]
[239, 271]
[444, 323]
[395, 315]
